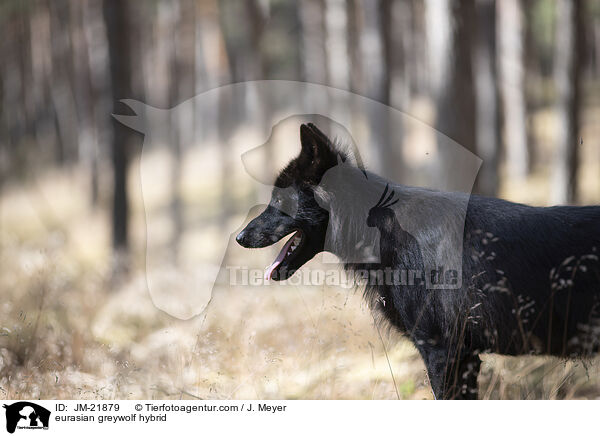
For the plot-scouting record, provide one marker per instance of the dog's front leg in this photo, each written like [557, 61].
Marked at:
[451, 379]
[466, 378]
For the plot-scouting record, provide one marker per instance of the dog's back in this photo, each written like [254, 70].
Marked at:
[538, 274]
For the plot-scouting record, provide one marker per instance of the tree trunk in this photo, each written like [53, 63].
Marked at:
[437, 24]
[336, 20]
[313, 41]
[456, 116]
[486, 84]
[84, 97]
[60, 87]
[570, 48]
[376, 49]
[356, 77]
[94, 29]
[510, 56]
[171, 18]
[415, 43]
[117, 21]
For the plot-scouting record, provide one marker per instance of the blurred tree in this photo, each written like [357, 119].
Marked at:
[414, 36]
[85, 96]
[116, 17]
[25, 67]
[180, 37]
[13, 121]
[487, 103]
[396, 90]
[258, 20]
[336, 20]
[258, 68]
[532, 65]
[62, 81]
[44, 125]
[378, 48]
[355, 78]
[234, 69]
[437, 29]
[593, 38]
[95, 42]
[173, 19]
[456, 99]
[568, 68]
[314, 52]
[312, 19]
[510, 59]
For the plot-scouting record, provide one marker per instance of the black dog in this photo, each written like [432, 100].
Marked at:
[529, 281]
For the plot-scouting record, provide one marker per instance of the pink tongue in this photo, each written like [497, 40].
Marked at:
[279, 258]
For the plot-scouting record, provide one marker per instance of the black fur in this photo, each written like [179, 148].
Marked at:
[530, 275]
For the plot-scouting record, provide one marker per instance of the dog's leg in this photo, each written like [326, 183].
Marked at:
[468, 370]
[435, 362]
[451, 379]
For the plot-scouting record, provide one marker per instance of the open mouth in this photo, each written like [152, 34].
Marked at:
[287, 253]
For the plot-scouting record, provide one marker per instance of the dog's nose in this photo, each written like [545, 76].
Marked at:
[240, 237]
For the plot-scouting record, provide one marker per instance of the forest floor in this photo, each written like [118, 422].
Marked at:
[69, 330]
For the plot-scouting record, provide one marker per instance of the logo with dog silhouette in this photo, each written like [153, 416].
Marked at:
[26, 415]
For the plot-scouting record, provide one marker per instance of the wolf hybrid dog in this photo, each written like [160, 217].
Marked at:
[529, 281]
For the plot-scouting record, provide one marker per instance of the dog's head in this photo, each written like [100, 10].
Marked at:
[293, 208]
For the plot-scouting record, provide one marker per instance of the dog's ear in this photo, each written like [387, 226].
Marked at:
[317, 155]
[315, 144]
[308, 141]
